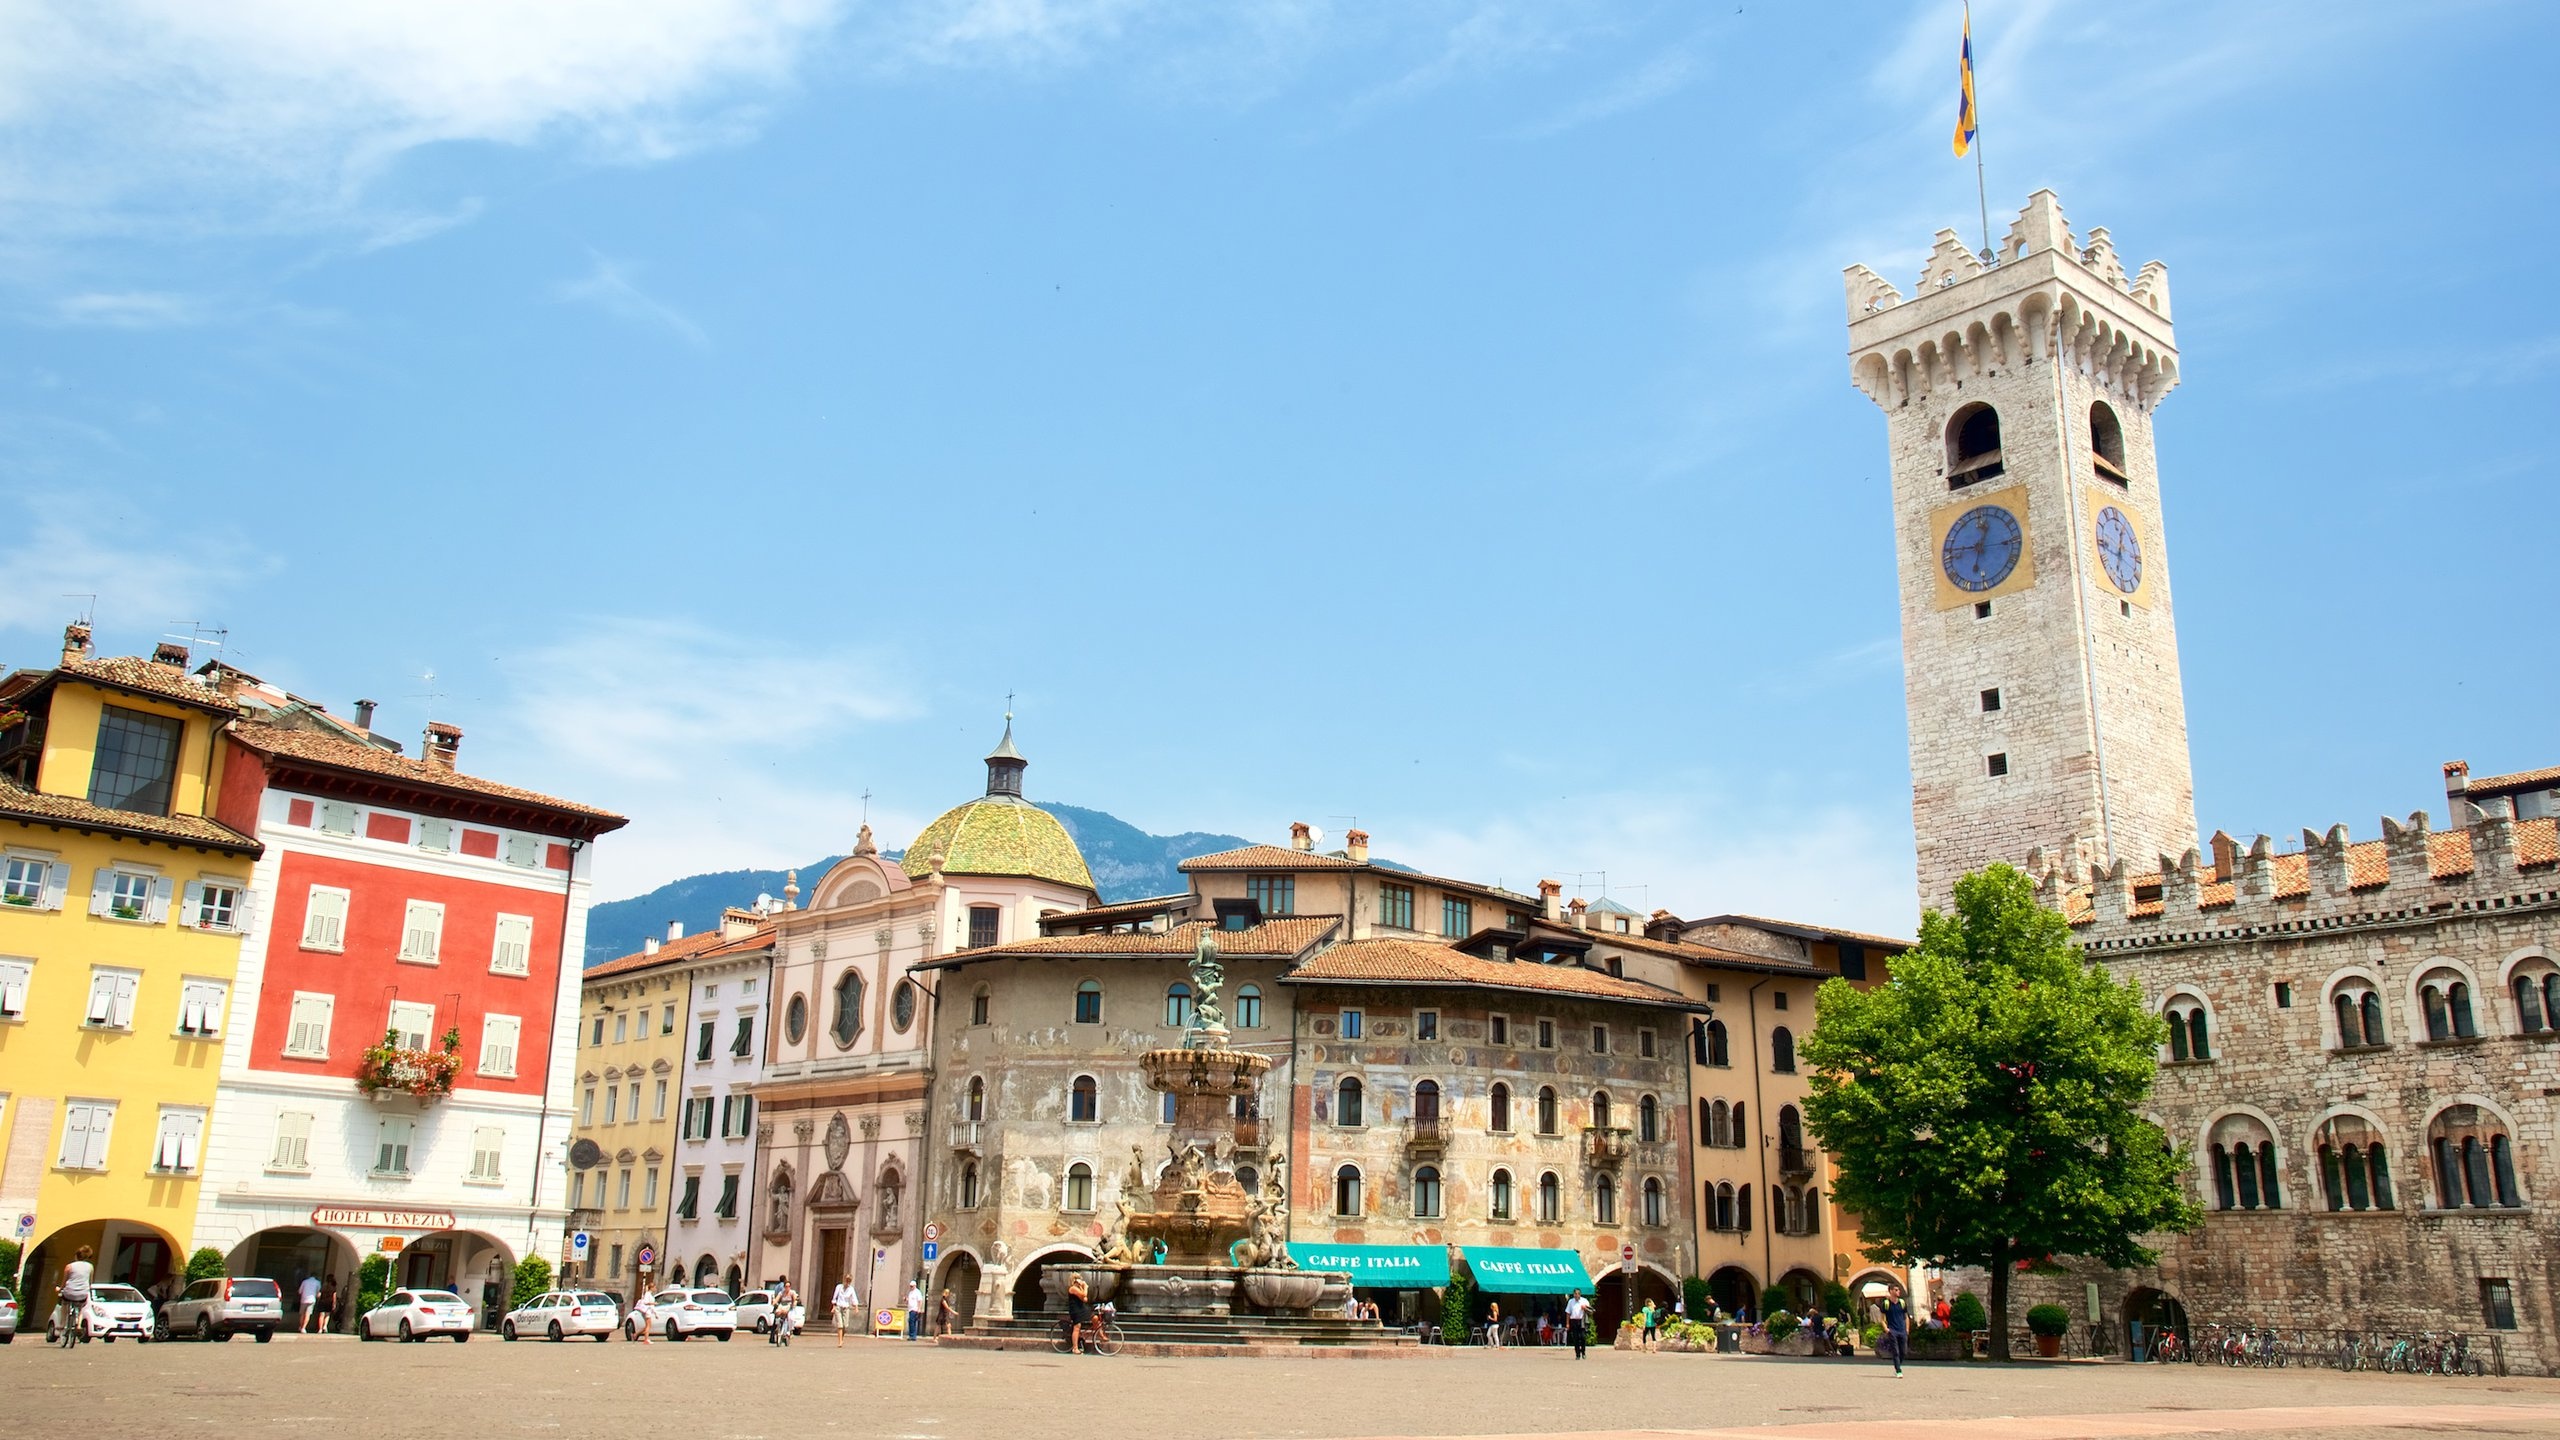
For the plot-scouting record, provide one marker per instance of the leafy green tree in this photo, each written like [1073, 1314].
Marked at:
[1696, 1300]
[10, 1259]
[205, 1264]
[1981, 1109]
[1774, 1299]
[373, 1282]
[533, 1277]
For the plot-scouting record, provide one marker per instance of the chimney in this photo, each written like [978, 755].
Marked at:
[1550, 900]
[649, 946]
[1581, 914]
[1300, 837]
[1355, 843]
[170, 656]
[443, 741]
[364, 715]
[2226, 855]
[75, 642]
[675, 931]
[2457, 787]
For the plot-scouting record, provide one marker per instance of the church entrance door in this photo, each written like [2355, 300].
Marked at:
[831, 1269]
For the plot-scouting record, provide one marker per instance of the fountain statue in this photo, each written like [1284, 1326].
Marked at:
[1186, 1243]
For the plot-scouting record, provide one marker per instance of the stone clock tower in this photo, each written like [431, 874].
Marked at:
[2040, 651]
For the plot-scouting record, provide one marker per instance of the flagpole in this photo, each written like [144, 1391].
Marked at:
[1981, 191]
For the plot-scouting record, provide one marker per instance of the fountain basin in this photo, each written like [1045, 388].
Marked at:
[1286, 1290]
[1101, 1282]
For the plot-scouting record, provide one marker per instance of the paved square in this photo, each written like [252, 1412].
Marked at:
[337, 1389]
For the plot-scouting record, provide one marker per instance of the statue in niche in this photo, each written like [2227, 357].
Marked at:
[778, 1206]
[839, 1141]
[889, 1189]
[1208, 978]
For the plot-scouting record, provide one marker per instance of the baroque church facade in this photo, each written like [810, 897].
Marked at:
[2363, 1048]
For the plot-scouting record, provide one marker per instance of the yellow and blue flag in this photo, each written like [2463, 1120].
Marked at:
[1966, 121]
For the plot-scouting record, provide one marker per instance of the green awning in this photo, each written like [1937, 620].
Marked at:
[1501, 1270]
[1391, 1267]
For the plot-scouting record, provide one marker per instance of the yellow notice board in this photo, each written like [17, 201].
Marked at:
[889, 1322]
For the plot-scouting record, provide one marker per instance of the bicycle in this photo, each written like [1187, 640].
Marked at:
[70, 1323]
[1099, 1336]
[2169, 1348]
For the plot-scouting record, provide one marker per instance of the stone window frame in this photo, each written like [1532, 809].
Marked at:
[2394, 1166]
[1502, 1195]
[1358, 1192]
[2195, 996]
[1066, 1185]
[2426, 1159]
[1094, 1082]
[1360, 1088]
[2289, 1191]
[1649, 1126]
[2515, 963]
[1603, 1109]
[1498, 1119]
[2413, 995]
[1439, 1190]
[2363, 977]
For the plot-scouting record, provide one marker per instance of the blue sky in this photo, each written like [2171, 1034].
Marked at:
[1434, 413]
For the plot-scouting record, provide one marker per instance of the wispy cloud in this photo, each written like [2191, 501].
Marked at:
[140, 580]
[612, 286]
[1825, 672]
[398, 230]
[133, 309]
[1659, 78]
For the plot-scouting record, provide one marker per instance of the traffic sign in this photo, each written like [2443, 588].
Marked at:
[932, 1250]
[26, 1223]
[647, 1257]
[933, 1231]
[578, 1244]
[1627, 1259]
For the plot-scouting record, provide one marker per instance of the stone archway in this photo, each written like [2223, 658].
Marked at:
[2147, 1313]
[287, 1253]
[126, 1252]
[1735, 1291]
[961, 1276]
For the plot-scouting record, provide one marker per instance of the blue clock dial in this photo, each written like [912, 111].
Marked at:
[2119, 549]
[1981, 548]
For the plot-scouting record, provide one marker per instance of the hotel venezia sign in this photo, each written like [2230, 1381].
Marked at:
[336, 1217]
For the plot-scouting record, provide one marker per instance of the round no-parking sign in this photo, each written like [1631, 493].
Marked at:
[648, 1255]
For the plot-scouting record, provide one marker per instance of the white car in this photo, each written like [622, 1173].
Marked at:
[8, 1316]
[415, 1315]
[118, 1310]
[564, 1313]
[754, 1311]
[683, 1314]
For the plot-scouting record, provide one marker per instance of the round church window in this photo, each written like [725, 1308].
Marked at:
[795, 1019]
[902, 1006]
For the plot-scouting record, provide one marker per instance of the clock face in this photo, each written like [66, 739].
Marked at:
[1981, 548]
[2119, 550]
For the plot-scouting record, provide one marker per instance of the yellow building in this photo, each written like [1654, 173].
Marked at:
[122, 903]
[633, 1014]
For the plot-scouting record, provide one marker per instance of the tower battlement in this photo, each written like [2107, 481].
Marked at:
[2045, 293]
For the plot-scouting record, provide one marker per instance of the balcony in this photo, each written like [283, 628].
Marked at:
[1605, 1147]
[1795, 1162]
[1249, 1132]
[21, 737]
[1426, 1135]
[965, 1138]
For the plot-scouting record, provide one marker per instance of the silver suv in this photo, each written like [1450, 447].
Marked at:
[221, 1308]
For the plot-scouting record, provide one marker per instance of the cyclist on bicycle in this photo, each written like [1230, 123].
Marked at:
[1080, 1318]
[71, 1298]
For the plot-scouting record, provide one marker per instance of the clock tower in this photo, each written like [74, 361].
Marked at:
[2040, 651]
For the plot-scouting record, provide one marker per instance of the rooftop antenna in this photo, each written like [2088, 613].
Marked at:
[88, 612]
[198, 632]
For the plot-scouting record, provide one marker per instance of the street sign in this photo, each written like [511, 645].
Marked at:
[26, 1223]
[1627, 1259]
[933, 1231]
[578, 1244]
[932, 1251]
[647, 1257]
[391, 1244]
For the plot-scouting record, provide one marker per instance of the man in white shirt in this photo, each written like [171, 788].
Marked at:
[848, 1308]
[1577, 1318]
[310, 1293]
[915, 1310]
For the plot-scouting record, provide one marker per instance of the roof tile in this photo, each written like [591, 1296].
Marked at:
[1420, 962]
[17, 802]
[1277, 938]
[313, 748]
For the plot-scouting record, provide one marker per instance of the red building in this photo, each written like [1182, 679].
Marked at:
[397, 1077]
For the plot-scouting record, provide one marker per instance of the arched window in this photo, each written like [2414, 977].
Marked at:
[2189, 1033]
[1604, 1200]
[1721, 1206]
[977, 1107]
[1499, 1107]
[1501, 1192]
[1782, 1051]
[1249, 1007]
[1793, 1158]
[969, 1186]
[1600, 1109]
[1178, 1008]
[1079, 1187]
[2359, 1014]
[1653, 1202]
[1089, 1002]
[2531, 1017]
[1346, 1190]
[2445, 1000]
[2474, 1160]
[2244, 1165]
[1973, 446]
[1346, 1102]
[1718, 1124]
[847, 1026]
[2355, 1172]
[1550, 1198]
[2106, 442]
[1711, 1045]
[1084, 1101]
[1648, 1121]
[1426, 1192]
[979, 1004]
[1426, 1103]
[1547, 1122]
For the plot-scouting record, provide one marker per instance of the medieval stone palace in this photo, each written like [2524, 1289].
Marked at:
[2364, 1046]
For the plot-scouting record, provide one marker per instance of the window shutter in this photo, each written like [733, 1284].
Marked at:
[244, 912]
[13, 991]
[156, 908]
[191, 903]
[102, 891]
[57, 885]
[293, 1140]
[102, 999]
[190, 1011]
[125, 985]
[746, 1114]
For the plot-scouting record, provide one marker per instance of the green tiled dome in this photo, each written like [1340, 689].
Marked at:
[1000, 835]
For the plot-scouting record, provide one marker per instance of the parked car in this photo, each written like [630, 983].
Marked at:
[755, 1311]
[563, 1313]
[225, 1306]
[683, 1314]
[416, 1314]
[118, 1310]
[8, 1315]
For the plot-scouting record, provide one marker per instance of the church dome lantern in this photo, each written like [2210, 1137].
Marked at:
[1000, 833]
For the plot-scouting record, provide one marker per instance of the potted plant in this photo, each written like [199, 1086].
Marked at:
[2050, 1323]
[392, 1068]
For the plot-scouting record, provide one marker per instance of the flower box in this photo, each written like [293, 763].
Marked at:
[390, 1069]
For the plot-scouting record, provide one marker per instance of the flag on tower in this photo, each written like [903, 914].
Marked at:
[1966, 122]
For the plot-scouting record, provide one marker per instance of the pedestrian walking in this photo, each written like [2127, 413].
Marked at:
[644, 1317]
[1897, 1328]
[1493, 1324]
[948, 1313]
[309, 1293]
[915, 1310]
[329, 1305]
[1577, 1321]
[848, 1307]
[799, 1314]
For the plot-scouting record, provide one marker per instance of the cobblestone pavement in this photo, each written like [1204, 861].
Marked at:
[336, 1389]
